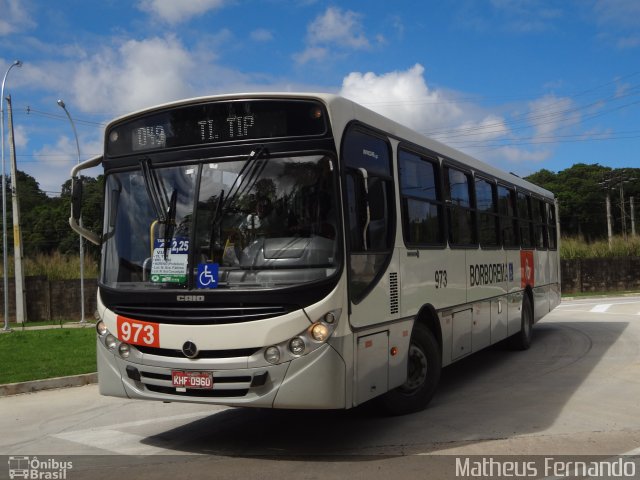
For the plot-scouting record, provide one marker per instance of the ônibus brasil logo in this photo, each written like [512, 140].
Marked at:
[36, 469]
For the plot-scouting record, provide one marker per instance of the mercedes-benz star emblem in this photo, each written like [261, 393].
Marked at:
[190, 349]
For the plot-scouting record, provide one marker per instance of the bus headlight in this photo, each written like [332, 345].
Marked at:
[296, 346]
[101, 328]
[110, 342]
[272, 355]
[124, 350]
[306, 342]
[320, 332]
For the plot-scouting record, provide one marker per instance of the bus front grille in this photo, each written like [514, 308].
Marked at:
[206, 315]
[168, 352]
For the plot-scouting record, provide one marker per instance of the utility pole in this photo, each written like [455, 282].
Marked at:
[633, 216]
[609, 220]
[21, 312]
[5, 278]
[623, 213]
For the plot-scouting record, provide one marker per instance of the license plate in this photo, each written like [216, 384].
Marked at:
[181, 379]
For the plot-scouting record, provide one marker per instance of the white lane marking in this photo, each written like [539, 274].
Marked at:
[182, 416]
[601, 308]
[111, 439]
[631, 453]
[582, 303]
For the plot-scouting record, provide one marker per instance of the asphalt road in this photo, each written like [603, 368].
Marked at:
[575, 392]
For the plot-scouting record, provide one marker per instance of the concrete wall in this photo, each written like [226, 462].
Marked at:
[601, 275]
[52, 300]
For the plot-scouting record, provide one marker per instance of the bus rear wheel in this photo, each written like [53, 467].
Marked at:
[424, 364]
[522, 339]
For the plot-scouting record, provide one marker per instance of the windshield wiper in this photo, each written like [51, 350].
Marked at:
[165, 208]
[248, 175]
[214, 223]
[155, 190]
[252, 169]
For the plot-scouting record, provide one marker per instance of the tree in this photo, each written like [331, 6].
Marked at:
[45, 220]
[581, 191]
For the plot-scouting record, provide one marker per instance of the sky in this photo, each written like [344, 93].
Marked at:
[520, 84]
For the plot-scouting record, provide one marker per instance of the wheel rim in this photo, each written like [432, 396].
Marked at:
[417, 370]
[527, 323]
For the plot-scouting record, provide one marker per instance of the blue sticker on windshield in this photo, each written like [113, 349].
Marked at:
[207, 275]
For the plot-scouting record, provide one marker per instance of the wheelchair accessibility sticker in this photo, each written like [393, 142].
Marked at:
[207, 275]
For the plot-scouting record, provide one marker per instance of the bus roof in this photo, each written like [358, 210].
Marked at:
[342, 111]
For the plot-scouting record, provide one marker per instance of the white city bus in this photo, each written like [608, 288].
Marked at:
[302, 251]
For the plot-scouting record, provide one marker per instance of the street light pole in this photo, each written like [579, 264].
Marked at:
[75, 134]
[21, 310]
[5, 272]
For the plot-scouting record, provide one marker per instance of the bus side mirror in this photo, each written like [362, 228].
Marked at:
[76, 198]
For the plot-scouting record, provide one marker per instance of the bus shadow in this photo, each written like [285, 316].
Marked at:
[493, 394]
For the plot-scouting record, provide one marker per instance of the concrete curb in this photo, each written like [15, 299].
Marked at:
[48, 384]
[20, 328]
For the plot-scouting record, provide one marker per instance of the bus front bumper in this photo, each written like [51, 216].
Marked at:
[314, 381]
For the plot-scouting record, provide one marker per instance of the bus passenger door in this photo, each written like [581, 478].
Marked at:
[371, 263]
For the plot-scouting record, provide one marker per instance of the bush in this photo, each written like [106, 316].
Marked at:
[575, 247]
[55, 266]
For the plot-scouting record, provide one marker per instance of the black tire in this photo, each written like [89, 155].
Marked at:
[424, 366]
[522, 339]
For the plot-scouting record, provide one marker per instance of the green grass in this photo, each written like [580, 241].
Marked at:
[37, 354]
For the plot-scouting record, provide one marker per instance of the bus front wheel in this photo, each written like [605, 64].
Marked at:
[423, 373]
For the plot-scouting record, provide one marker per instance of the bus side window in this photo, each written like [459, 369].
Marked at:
[421, 200]
[489, 225]
[461, 214]
[508, 220]
[552, 228]
[540, 223]
[526, 226]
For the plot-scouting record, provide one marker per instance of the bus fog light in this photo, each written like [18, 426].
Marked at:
[101, 328]
[319, 332]
[124, 350]
[272, 355]
[110, 341]
[296, 346]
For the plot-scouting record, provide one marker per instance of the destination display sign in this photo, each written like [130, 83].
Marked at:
[211, 123]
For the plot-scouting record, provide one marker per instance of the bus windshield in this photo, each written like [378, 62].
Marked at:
[257, 222]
